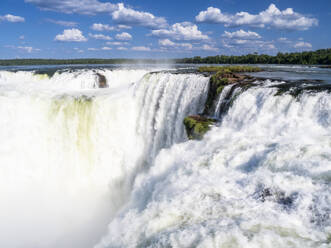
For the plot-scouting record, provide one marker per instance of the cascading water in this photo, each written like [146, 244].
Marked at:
[259, 179]
[70, 152]
[75, 159]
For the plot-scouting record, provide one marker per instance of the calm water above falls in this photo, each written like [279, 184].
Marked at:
[88, 167]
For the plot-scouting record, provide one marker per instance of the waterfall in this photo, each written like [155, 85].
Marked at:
[261, 179]
[87, 167]
[70, 152]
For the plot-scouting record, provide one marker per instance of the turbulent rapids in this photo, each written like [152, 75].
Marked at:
[82, 166]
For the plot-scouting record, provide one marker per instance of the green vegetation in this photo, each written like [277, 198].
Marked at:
[318, 57]
[223, 75]
[196, 126]
[91, 61]
[229, 69]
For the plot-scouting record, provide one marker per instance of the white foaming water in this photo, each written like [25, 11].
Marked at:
[260, 179]
[66, 81]
[69, 153]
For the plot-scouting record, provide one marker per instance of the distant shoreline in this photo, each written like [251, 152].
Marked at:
[320, 57]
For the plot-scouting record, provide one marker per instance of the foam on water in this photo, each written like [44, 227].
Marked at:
[260, 179]
[69, 153]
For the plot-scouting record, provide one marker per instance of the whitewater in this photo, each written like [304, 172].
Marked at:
[82, 166]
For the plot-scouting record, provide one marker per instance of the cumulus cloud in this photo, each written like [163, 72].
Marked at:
[123, 36]
[11, 18]
[166, 44]
[71, 35]
[102, 27]
[92, 49]
[141, 48]
[302, 44]
[271, 17]
[181, 31]
[241, 34]
[132, 17]
[247, 45]
[100, 36]
[63, 23]
[85, 7]
[206, 47]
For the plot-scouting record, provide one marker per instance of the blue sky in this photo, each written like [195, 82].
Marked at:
[160, 29]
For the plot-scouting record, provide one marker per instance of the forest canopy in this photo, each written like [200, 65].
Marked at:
[318, 57]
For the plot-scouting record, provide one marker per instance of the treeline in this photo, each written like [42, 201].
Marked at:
[318, 57]
[14, 62]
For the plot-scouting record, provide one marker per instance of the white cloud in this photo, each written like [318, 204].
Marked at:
[27, 49]
[116, 43]
[132, 17]
[248, 44]
[106, 48]
[166, 44]
[102, 27]
[122, 48]
[92, 49]
[209, 48]
[78, 50]
[63, 23]
[22, 37]
[71, 35]
[271, 17]
[100, 36]
[181, 31]
[302, 44]
[123, 36]
[284, 40]
[141, 48]
[121, 26]
[85, 7]
[241, 34]
[11, 18]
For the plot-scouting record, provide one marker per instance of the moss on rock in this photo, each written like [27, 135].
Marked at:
[196, 126]
[229, 69]
[222, 76]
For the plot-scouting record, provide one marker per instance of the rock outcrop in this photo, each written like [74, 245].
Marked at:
[102, 81]
[196, 126]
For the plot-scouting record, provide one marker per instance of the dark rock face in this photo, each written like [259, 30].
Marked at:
[102, 81]
[196, 126]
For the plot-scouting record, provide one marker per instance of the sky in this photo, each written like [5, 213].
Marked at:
[160, 28]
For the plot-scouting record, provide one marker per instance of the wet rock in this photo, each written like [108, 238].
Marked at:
[102, 81]
[197, 125]
[217, 83]
[278, 196]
